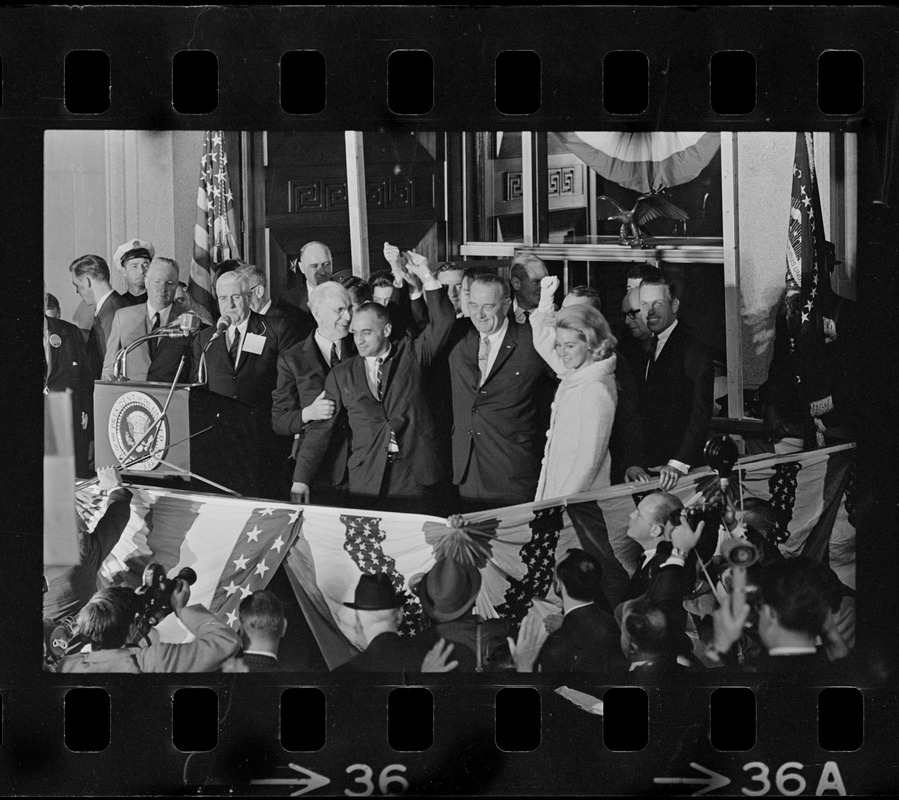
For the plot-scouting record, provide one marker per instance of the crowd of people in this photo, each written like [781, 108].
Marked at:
[444, 390]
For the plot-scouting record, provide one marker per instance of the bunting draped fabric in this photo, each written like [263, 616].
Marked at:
[643, 161]
[235, 545]
[216, 229]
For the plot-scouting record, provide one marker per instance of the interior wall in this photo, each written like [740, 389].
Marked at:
[102, 188]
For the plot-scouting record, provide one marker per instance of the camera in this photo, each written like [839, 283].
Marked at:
[154, 595]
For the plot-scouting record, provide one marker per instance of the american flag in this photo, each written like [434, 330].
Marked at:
[215, 231]
[809, 294]
[234, 545]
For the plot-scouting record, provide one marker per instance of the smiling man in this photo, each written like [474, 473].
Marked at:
[392, 460]
[676, 385]
[501, 394]
[299, 398]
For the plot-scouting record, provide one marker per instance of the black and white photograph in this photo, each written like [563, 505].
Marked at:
[498, 448]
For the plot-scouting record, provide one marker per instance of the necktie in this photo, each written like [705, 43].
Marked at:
[335, 359]
[235, 346]
[381, 378]
[153, 328]
[483, 356]
[651, 353]
[527, 317]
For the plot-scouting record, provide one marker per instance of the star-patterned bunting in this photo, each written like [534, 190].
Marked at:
[258, 551]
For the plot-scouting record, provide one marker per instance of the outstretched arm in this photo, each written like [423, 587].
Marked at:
[543, 335]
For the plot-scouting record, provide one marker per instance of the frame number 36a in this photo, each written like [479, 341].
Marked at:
[389, 781]
[789, 782]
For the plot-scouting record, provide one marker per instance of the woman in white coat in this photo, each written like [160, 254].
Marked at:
[581, 350]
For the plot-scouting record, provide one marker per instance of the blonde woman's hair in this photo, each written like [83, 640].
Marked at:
[592, 326]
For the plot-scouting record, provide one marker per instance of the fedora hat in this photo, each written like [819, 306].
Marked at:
[448, 589]
[376, 593]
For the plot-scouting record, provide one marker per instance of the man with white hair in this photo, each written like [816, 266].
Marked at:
[156, 359]
[299, 397]
[242, 364]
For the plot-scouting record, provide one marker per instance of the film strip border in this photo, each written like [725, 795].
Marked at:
[698, 68]
[443, 740]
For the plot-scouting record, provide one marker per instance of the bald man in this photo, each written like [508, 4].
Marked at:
[156, 359]
[316, 268]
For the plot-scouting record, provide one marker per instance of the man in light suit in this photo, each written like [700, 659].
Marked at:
[315, 268]
[90, 277]
[299, 397]
[675, 387]
[393, 464]
[501, 393]
[242, 363]
[156, 359]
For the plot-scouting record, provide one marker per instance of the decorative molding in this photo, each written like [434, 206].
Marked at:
[323, 195]
[561, 182]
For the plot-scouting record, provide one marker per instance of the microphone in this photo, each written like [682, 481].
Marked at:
[186, 324]
[220, 327]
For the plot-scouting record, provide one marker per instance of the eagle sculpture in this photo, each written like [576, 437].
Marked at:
[648, 207]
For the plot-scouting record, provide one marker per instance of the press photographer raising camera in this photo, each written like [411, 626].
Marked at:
[794, 609]
[108, 621]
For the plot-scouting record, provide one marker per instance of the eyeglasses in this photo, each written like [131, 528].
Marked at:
[632, 313]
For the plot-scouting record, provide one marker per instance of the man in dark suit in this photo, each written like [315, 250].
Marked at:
[242, 363]
[299, 398]
[379, 608]
[262, 626]
[795, 605]
[676, 386]
[526, 273]
[156, 359]
[255, 277]
[501, 393]
[90, 277]
[66, 367]
[392, 461]
[315, 268]
[589, 639]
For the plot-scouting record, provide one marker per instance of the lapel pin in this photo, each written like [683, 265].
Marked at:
[55, 341]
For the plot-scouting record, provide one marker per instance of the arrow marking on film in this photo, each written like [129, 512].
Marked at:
[309, 783]
[713, 781]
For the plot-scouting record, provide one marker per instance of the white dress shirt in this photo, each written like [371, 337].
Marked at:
[103, 300]
[242, 327]
[324, 346]
[496, 340]
[163, 315]
[371, 372]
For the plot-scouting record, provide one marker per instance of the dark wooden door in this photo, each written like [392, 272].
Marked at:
[306, 197]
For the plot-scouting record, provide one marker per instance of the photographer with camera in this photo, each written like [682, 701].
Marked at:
[793, 605]
[114, 615]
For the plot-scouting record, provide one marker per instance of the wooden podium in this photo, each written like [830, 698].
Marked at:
[211, 436]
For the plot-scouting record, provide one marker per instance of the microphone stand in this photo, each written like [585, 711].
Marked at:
[201, 369]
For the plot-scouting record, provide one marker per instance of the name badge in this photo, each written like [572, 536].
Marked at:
[253, 343]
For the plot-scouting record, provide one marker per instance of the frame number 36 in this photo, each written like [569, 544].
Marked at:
[789, 782]
[389, 780]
